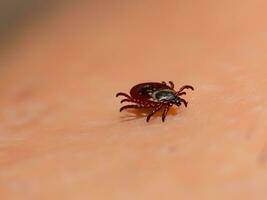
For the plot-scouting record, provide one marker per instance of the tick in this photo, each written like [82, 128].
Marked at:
[155, 96]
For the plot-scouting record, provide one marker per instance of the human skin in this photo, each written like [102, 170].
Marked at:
[62, 135]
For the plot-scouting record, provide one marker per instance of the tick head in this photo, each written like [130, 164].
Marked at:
[177, 101]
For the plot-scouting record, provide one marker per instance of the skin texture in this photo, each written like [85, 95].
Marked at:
[63, 137]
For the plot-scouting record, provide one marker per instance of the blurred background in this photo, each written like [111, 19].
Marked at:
[17, 16]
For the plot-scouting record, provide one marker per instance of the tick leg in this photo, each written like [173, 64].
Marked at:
[181, 93]
[185, 87]
[184, 102]
[171, 84]
[164, 83]
[165, 112]
[128, 100]
[123, 94]
[153, 112]
[129, 106]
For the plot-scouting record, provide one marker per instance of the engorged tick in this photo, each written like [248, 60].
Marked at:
[155, 96]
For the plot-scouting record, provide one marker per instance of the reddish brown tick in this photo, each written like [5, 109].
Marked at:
[155, 96]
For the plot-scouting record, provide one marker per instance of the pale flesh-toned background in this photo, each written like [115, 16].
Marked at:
[62, 137]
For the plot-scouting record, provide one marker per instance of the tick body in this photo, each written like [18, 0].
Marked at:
[155, 96]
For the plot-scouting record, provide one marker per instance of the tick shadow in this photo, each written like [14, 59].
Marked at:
[134, 114]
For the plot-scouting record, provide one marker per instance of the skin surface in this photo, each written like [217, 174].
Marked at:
[62, 135]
